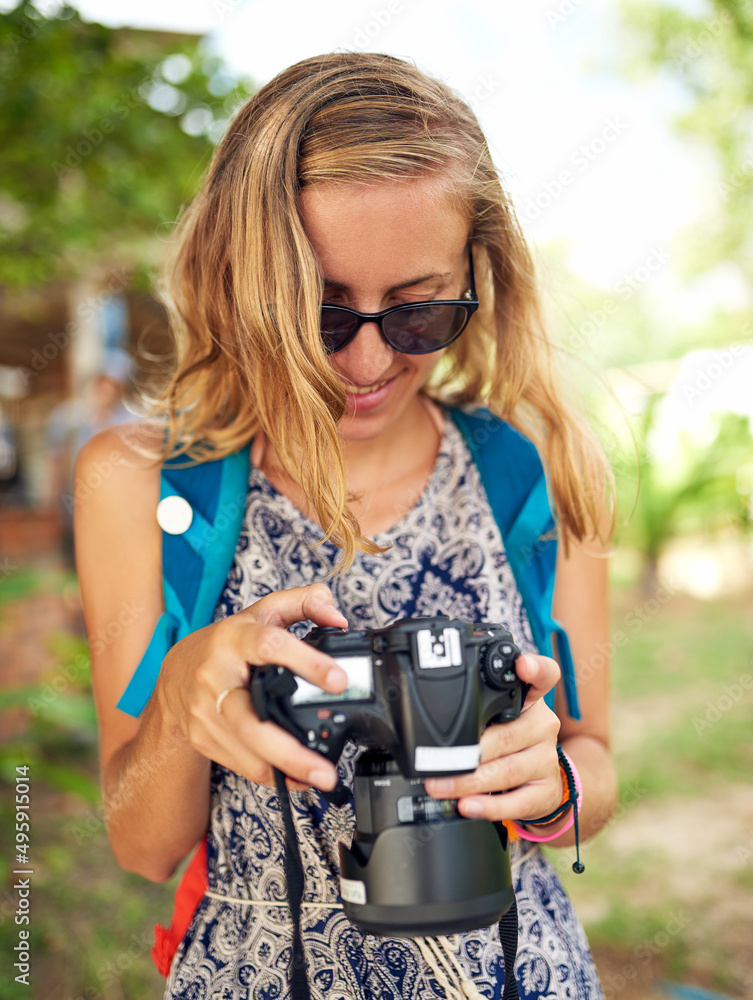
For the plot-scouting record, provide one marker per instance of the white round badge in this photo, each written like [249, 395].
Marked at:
[174, 515]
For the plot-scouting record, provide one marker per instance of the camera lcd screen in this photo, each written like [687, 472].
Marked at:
[360, 684]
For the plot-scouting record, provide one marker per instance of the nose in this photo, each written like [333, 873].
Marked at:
[367, 358]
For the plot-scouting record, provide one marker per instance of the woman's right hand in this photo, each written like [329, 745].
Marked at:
[204, 664]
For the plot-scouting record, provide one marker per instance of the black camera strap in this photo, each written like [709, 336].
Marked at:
[508, 937]
[299, 984]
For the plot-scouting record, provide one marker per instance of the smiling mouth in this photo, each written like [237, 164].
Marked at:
[363, 390]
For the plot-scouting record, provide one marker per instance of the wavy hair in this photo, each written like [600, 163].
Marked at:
[244, 292]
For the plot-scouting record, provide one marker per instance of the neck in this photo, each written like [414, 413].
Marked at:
[374, 461]
[384, 476]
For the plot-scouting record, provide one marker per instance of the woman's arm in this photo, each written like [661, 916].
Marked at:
[155, 770]
[155, 787]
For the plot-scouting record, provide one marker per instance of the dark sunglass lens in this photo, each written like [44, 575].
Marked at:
[337, 327]
[425, 328]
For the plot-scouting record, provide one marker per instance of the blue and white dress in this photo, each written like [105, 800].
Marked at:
[446, 557]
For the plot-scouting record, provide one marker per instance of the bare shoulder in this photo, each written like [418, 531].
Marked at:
[113, 452]
[115, 495]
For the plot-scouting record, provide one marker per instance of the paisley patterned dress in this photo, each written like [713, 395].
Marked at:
[446, 557]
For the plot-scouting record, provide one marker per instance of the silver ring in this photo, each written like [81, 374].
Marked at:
[223, 695]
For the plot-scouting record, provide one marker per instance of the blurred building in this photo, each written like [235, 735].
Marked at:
[53, 341]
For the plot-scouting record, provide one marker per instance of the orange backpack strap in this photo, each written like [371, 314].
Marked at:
[188, 895]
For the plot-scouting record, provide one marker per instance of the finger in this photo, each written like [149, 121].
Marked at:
[541, 672]
[497, 775]
[268, 644]
[539, 725]
[286, 607]
[253, 748]
[529, 800]
[512, 753]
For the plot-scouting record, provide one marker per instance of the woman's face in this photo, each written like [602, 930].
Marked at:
[378, 246]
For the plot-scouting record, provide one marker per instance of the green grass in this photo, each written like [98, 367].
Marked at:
[21, 583]
[646, 936]
[684, 645]
[687, 680]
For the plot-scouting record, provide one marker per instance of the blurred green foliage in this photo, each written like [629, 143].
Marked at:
[104, 135]
[60, 734]
[697, 494]
[710, 54]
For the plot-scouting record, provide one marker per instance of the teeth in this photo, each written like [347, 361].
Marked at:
[362, 390]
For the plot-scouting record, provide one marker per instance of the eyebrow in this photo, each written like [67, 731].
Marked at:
[395, 288]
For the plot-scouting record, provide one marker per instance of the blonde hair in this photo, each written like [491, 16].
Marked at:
[245, 294]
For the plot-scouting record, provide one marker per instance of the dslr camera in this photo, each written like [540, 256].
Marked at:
[420, 693]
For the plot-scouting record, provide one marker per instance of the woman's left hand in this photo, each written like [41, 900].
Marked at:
[519, 775]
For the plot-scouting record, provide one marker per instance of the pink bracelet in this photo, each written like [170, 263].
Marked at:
[538, 838]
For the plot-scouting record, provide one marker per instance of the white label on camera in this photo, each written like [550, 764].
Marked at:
[353, 891]
[448, 758]
[438, 650]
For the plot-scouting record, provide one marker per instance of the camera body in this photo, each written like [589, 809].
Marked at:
[420, 693]
[422, 689]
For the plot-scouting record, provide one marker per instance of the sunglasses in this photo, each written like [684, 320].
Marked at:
[413, 328]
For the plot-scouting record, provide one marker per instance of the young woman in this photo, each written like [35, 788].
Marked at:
[350, 182]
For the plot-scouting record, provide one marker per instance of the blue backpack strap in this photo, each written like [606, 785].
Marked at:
[196, 562]
[513, 476]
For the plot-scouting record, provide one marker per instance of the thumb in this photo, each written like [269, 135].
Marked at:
[541, 672]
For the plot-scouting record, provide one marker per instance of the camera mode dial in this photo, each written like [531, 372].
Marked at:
[497, 662]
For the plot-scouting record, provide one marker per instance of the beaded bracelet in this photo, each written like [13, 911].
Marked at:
[573, 800]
